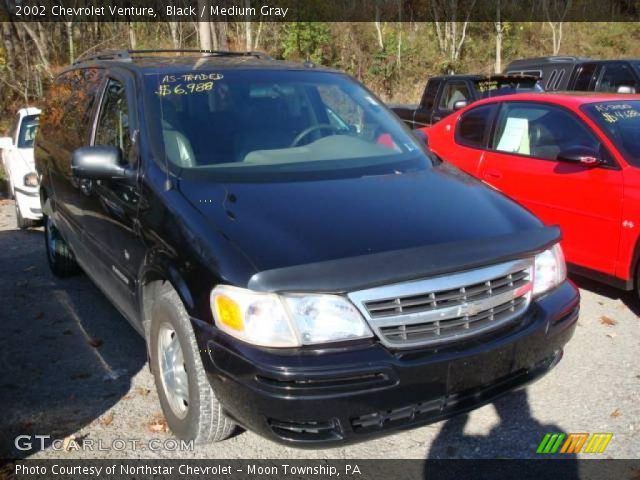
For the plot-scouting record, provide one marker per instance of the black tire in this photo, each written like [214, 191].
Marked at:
[24, 223]
[204, 420]
[60, 257]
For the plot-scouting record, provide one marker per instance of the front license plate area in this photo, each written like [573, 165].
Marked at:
[479, 371]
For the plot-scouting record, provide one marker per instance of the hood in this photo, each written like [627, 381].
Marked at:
[26, 157]
[280, 225]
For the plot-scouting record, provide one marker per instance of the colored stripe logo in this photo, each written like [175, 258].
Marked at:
[572, 443]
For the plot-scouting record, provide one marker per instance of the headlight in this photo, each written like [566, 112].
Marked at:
[273, 320]
[550, 270]
[31, 179]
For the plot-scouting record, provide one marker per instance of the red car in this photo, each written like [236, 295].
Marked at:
[573, 160]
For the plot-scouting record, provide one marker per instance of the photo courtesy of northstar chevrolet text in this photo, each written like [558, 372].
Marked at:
[232, 246]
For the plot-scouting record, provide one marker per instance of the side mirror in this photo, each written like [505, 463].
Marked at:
[626, 89]
[421, 136]
[100, 163]
[5, 142]
[460, 104]
[582, 155]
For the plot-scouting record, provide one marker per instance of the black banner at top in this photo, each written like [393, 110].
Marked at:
[320, 11]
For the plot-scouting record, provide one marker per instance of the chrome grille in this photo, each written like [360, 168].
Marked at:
[449, 307]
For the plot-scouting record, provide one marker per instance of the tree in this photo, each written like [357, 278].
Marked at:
[451, 33]
[307, 40]
[248, 32]
[204, 27]
[499, 26]
[555, 12]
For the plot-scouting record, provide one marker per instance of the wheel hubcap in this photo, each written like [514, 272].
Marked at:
[173, 371]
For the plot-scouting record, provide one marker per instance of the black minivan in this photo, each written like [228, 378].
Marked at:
[298, 262]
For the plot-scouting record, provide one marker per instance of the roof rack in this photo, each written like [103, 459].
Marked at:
[127, 55]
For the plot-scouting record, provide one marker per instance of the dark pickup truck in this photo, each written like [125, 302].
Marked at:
[581, 73]
[447, 93]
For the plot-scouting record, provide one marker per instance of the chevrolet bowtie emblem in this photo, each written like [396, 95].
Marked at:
[468, 310]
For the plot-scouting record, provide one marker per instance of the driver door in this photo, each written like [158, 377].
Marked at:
[111, 223]
[585, 201]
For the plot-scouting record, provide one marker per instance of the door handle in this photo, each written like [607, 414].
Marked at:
[493, 175]
[436, 119]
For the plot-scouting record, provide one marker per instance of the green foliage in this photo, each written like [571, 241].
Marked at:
[307, 40]
[352, 47]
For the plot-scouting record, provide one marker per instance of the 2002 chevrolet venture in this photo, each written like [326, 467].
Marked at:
[298, 262]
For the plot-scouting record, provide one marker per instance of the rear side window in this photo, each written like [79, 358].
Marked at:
[66, 117]
[614, 76]
[556, 86]
[474, 125]
[550, 82]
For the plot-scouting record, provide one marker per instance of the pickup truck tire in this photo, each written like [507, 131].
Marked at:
[189, 403]
[24, 223]
[61, 259]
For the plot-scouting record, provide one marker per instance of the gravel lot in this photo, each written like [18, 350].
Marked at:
[72, 367]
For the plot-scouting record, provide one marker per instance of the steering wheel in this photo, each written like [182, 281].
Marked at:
[313, 128]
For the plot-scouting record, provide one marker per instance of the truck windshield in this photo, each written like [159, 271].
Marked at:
[505, 86]
[246, 122]
[620, 121]
[27, 134]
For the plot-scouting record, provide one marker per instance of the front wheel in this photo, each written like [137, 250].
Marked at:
[188, 402]
[59, 255]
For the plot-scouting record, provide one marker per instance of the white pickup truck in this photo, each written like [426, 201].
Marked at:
[17, 159]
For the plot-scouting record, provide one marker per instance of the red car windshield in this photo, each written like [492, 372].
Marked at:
[620, 121]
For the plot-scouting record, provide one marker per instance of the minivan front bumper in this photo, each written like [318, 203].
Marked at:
[320, 397]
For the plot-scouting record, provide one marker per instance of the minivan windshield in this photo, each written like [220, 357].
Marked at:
[248, 122]
[27, 134]
[620, 121]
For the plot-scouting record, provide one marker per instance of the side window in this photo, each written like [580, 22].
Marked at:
[452, 93]
[585, 75]
[430, 93]
[540, 131]
[66, 117]
[556, 86]
[532, 73]
[549, 83]
[473, 126]
[614, 76]
[113, 125]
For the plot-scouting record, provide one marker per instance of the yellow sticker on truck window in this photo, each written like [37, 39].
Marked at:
[187, 83]
[192, 77]
[487, 85]
[183, 88]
